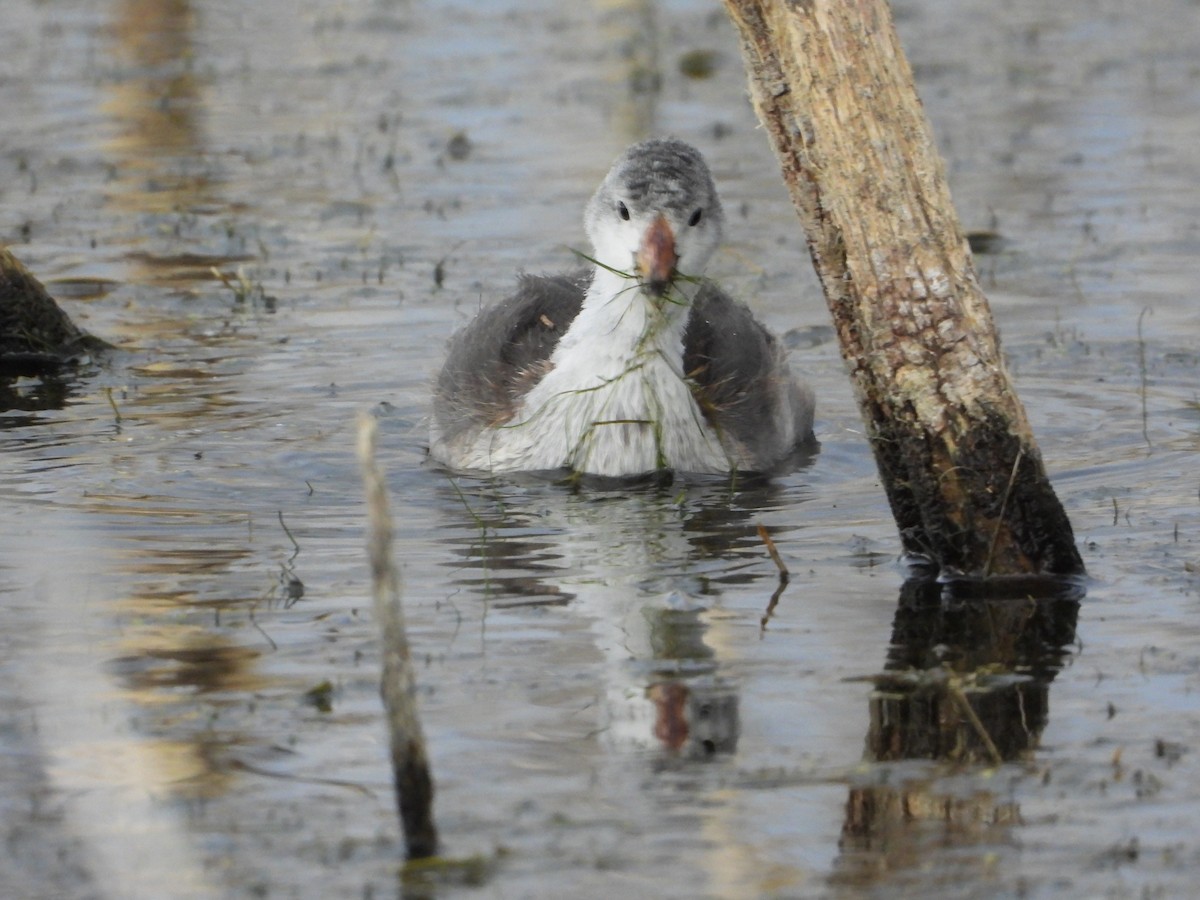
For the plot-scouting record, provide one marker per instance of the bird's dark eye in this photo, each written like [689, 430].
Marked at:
[623, 211]
[696, 217]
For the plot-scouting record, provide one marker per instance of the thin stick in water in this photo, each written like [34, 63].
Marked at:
[968, 711]
[288, 532]
[113, 404]
[765, 537]
[1142, 371]
[784, 576]
[410, 766]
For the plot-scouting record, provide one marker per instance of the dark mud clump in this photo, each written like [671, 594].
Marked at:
[36, 337]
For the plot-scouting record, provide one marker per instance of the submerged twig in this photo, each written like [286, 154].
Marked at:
[784, 576]
[410, 766]
[259, 628]
[113, 403]
[964, 704]
[771, 604]
[765, 537]
[293, 587]
[1142, 372]
[288, 532]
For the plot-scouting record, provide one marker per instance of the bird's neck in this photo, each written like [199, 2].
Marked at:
[616, 400]
[619, 326]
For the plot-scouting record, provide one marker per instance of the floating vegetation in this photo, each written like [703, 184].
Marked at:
[459, 146]
[320, 696]
[442, 871]
[246, 291]
[699, 64]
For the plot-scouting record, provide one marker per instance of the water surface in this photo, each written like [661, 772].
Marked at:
[190, 665]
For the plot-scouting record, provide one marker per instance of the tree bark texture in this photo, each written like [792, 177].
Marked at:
[963, 475]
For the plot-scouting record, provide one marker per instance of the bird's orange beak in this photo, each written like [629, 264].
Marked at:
[656, 257]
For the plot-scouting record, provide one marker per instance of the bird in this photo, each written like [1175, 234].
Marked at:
[635, 366]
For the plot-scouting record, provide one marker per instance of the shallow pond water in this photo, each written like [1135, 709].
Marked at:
[190, 704]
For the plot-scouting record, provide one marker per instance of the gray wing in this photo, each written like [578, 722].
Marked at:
[503, 352]
[743, 383]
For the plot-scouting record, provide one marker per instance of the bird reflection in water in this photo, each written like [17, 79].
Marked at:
[642, 566]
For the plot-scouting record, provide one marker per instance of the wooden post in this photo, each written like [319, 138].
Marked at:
[964, 477]
[410, 764]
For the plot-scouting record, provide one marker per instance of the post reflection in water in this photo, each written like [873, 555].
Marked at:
[156, 108]
[165, 173]
[184, 558]
[645, 568]
[967, 683]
